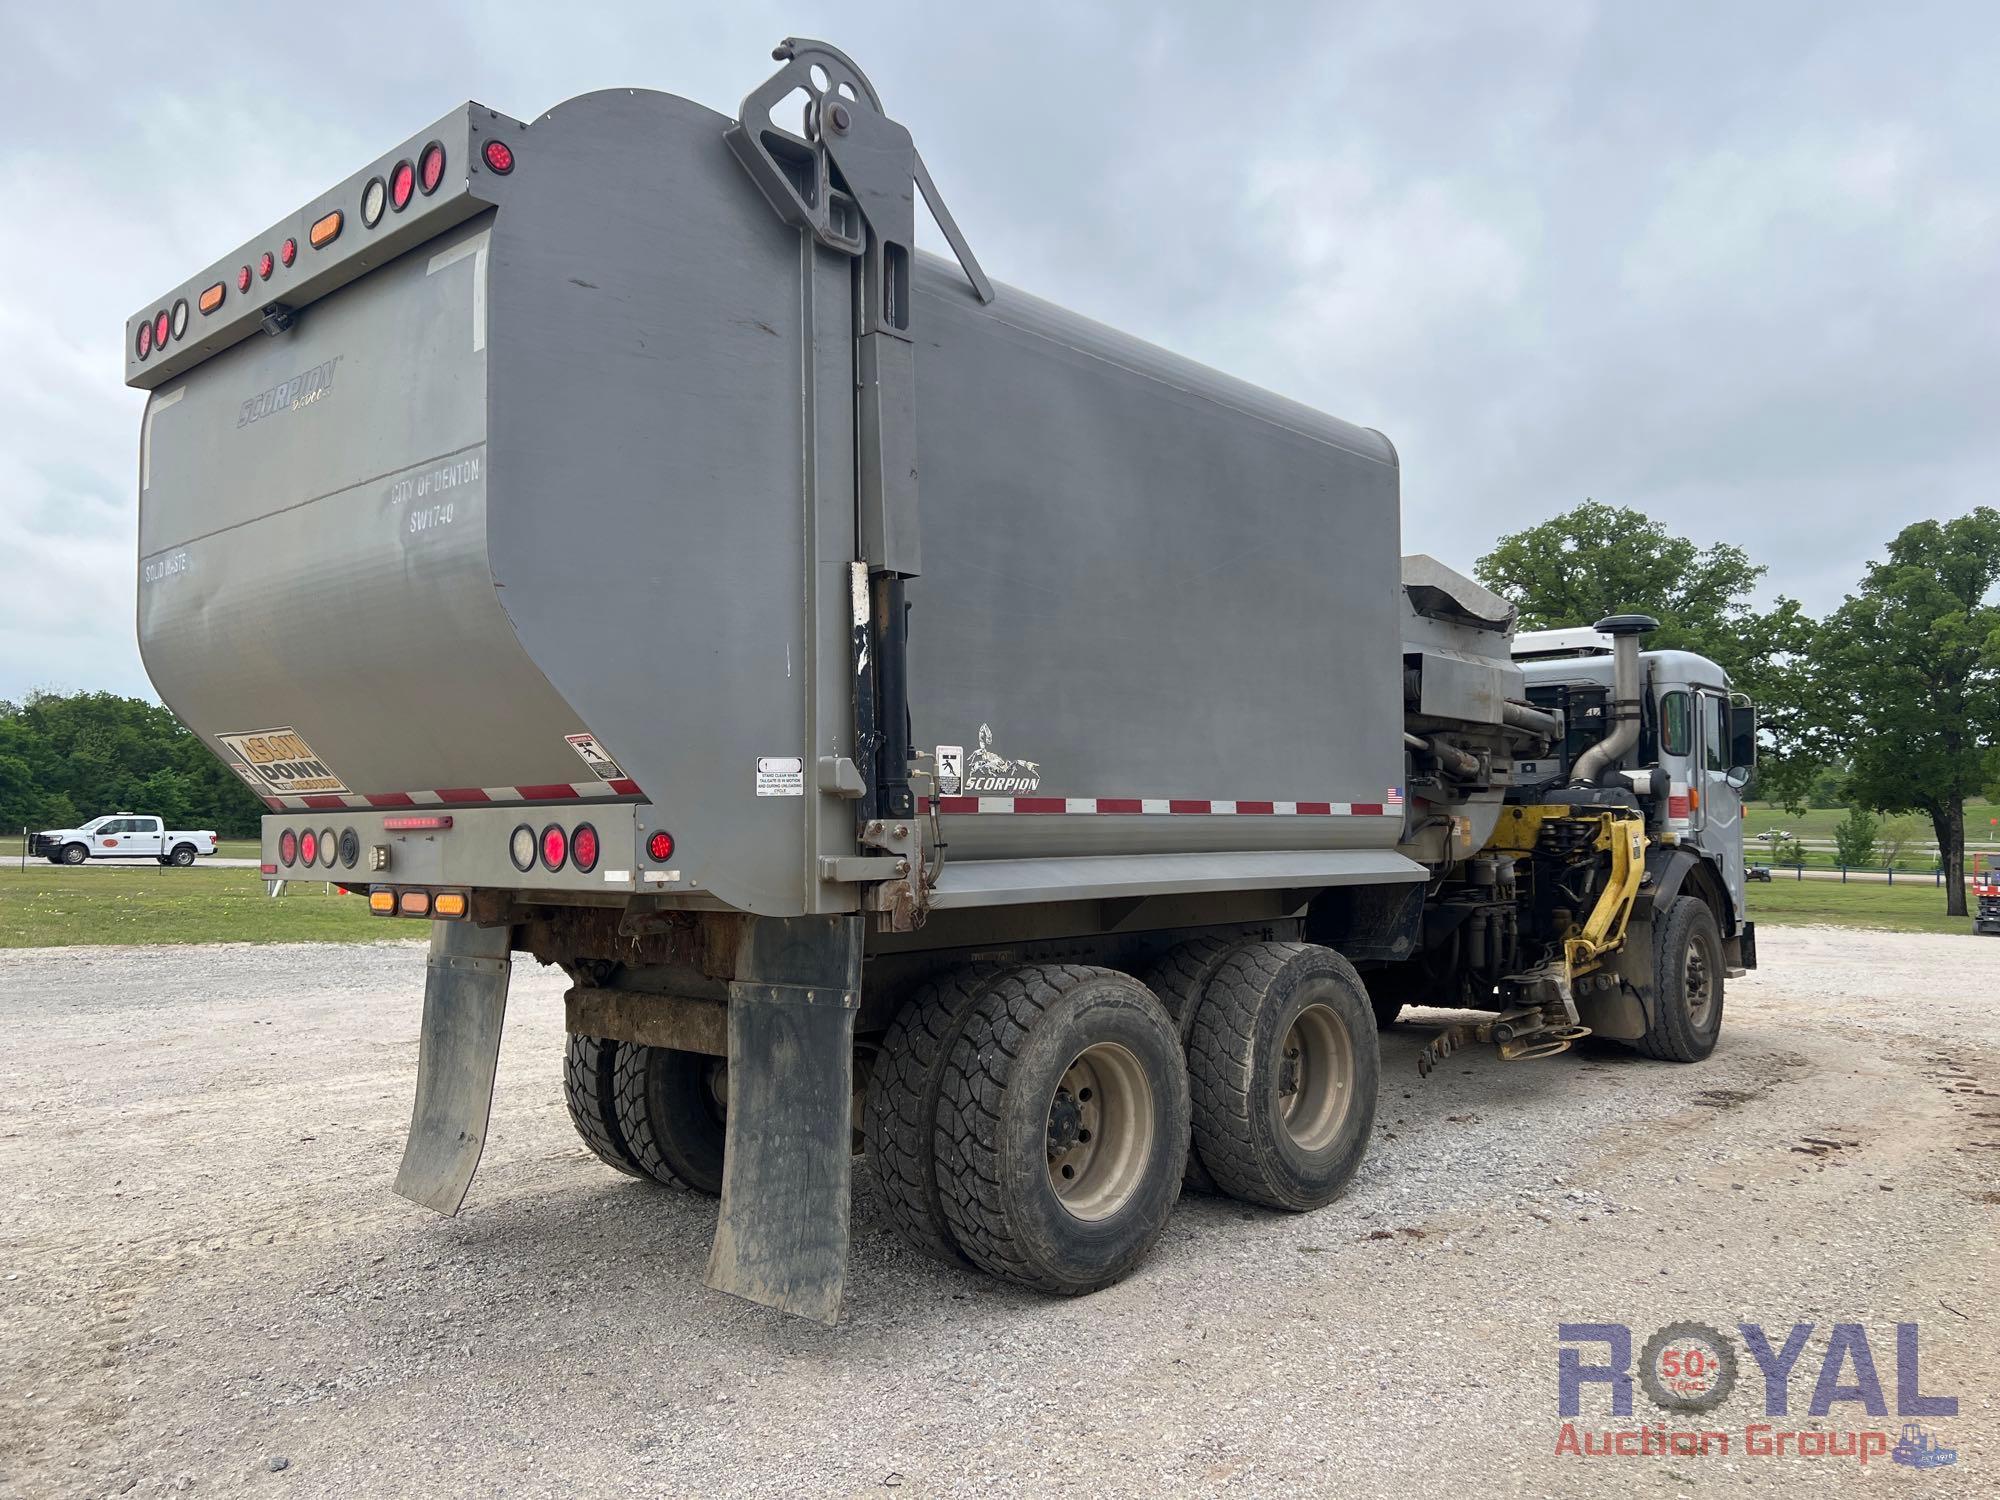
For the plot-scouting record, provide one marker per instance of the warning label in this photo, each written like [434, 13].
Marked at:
[595, 756]
[278, 760]
[781, 776]
[950, 769]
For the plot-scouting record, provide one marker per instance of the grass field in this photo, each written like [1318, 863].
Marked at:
[49, 906]
[1916, 907]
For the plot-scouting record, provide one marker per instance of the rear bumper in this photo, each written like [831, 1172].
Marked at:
[469, 848]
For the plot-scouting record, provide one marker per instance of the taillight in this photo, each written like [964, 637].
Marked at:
[402, 186]
[308, 847]
[288, 847]
[350, 847]
[144, 345]
[660, 846]
[555, 847]
[328, 847]
[449, 904]
[243, 279]
[325, 230]
[499, 156]
[430, 168]
[266, 264]
[583, 848]
[415, 903]
[288, 252]
[521, 848]
[382, 903]
[180, 317]
[373, 198]
[210, 298]
[163, 325]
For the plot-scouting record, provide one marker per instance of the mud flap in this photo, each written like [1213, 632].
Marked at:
[781, 1238]
[465, 1002]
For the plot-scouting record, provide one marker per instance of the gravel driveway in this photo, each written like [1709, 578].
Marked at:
[209, 1289]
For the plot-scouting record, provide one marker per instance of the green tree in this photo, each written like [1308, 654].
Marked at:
[1597, 559]
[1895, 835]
[1854, 837]
[1908, 672]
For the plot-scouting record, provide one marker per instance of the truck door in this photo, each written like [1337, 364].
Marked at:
[146, 834]
[1718, 810]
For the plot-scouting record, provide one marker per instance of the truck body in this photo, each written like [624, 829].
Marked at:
[122, 836]
[610, 540]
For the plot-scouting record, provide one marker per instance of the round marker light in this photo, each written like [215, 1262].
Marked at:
[288, 847]
[163, 324]
[180, 317]
[499, 156]
[266, 264]
[329, 845]
[308, 848]
[144, 343]
[373, 199]
[555, 847]
[660, 846]
[583, 848]
[350, 847]
[243, 279]
[521, 848]
[289, 251]
[430, 168]
[402, 186]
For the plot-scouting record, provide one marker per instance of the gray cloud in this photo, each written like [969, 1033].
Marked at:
[1734, 265]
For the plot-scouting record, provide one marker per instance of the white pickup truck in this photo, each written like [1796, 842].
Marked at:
[122, 836]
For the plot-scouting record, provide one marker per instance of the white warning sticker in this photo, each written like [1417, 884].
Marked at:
[781, 776]
[950, 769]
[595, 756]
[280, 761]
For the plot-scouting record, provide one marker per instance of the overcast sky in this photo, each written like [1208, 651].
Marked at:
[1736, 265]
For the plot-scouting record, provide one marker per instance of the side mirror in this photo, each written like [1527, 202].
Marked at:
[1738, 777]
[1742, 738]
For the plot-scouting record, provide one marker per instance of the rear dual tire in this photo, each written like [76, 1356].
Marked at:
[649, 1112]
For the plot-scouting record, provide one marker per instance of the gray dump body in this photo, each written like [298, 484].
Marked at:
[570, 452]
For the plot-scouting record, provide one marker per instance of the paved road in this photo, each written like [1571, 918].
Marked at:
[205, 1271]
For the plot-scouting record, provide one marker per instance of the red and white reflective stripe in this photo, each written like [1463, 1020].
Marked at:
[1168, 806]
[458, 796]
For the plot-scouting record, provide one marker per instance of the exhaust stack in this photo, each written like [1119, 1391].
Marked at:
[1624, 631]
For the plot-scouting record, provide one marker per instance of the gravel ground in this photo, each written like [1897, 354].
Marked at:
[209, 1289]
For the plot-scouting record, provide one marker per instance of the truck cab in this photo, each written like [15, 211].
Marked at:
[1695, 750]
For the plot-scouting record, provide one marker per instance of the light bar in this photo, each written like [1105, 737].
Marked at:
[412, 825]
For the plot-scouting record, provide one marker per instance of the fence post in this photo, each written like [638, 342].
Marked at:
[1892, 872]
[1843, 874]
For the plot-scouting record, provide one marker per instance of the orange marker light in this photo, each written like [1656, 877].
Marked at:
[449, 904]
[382, 903]
[325, 231]
[212, 298]
[415, 903]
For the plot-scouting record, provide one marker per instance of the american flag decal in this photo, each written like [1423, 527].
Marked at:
[1395, 797]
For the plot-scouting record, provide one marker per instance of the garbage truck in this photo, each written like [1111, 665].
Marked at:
[920, 722]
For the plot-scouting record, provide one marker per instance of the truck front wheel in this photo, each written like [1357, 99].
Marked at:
[74, 854]
[671, 1107]
[1284, 1066]
[1062, 1127]
[1687, 983]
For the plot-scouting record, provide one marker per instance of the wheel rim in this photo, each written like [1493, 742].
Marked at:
[1315, 1078]
[1698, 978]
[1100, 1131]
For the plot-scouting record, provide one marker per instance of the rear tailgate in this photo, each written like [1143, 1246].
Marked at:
[315, 597]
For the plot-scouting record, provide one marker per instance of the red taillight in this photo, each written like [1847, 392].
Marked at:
[499, 156]
[555, 847]
[289, 251]
[408, 825]
[308, 847]
[660, 846]
[265, 265]
[430, 168]
[163, 324]
[145, 343]
[583, 848]
[243, 280]
[402, 184]
[288, 847]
